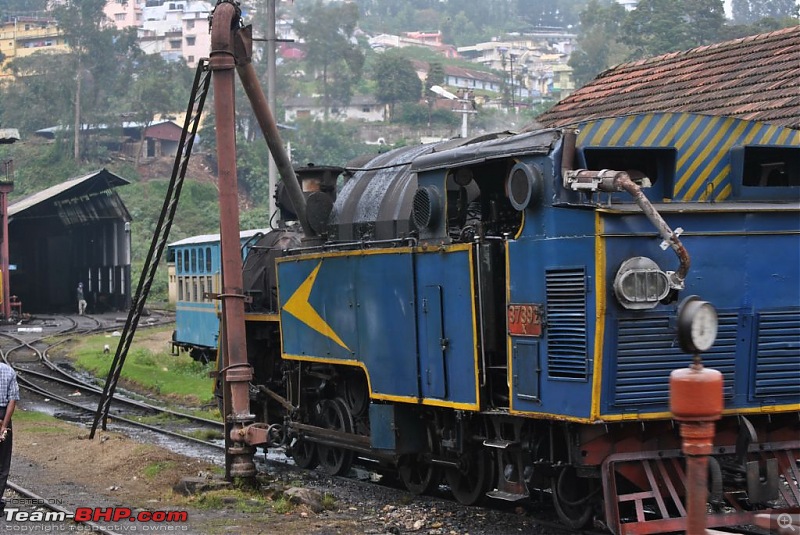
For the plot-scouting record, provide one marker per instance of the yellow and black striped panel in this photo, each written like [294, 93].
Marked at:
[702, 142]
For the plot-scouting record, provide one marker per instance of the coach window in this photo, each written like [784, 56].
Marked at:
[194, 260]
[201, 264]
[185, 260]
[208, 259]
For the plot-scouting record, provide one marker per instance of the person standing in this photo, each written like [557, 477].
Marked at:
[9, 395]
[81, 300]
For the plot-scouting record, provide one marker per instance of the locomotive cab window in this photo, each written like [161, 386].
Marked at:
[657, 164]
[478, 202]
[771, 172]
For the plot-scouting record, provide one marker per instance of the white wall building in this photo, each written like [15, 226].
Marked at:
[176, 29]
[360, 108]
[629, 5]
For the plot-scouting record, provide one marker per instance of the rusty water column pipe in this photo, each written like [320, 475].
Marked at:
[695, 398]
[237, 372]
[243, 44]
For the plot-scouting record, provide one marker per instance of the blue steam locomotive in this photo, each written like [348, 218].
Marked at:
[502, 314]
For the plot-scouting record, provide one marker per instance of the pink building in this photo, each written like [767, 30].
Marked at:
[173, 28]
[124, 13]
[196, 37]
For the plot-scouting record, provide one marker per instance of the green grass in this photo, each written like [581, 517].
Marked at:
[33, 416]
[176, 378]
[154, 469]
[207, 434]
[236, 499]
[282, 505]
[328, 501]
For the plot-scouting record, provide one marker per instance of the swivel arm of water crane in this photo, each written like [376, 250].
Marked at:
[243, 49]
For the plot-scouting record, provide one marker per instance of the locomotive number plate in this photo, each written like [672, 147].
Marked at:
[525, 319]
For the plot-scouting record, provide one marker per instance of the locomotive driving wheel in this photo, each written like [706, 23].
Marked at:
[574, 498]
[334, 414]
[416, 471]
[304, 454]
[470, 481]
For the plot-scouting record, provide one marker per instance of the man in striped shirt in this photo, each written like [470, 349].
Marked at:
[9, 395]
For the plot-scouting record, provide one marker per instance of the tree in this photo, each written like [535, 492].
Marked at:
[752, 11]
[435, 76]
[537, 13]
[331, 51]
[397, 81]
[659, 26]
[94, 46]
[598, 46]
[325, 143]
[16, 7]
[40, 94]
[159, 87]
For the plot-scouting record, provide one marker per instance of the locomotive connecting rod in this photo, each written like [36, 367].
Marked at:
[237, 373]
[243, 48]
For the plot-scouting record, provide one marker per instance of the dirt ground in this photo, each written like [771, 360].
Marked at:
[58, 461]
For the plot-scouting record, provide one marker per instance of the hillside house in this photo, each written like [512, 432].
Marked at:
[361, 108]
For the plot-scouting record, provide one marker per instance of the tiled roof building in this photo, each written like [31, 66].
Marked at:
[754, 78]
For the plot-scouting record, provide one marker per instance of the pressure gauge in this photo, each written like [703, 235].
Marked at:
[697, 325]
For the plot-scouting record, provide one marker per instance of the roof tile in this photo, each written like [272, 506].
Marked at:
[755, 78]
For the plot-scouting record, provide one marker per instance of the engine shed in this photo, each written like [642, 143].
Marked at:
[76, 231]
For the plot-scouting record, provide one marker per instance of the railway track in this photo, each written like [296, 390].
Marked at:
[78, 398]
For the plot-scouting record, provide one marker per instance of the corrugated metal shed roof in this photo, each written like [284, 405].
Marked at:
[755, 78]
[83, 185]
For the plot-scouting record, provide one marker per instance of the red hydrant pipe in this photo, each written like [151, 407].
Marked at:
[695, 399]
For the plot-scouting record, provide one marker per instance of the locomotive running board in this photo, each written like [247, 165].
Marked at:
[664, 473]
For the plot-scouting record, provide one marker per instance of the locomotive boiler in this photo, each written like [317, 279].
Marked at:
[502, 313]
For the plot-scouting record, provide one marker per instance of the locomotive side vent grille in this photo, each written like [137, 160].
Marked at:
[425, 208]
[566, 324]
[647, 352]
[778, 353]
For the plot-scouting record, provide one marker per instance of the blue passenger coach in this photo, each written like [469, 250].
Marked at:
[194, 278]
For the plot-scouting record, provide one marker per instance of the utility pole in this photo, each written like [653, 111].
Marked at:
[511, 69]
[271, 41]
